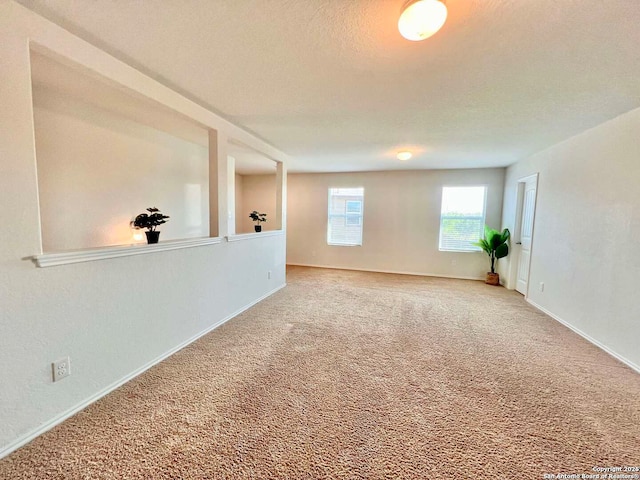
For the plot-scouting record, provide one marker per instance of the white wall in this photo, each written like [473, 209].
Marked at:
[239, 192]
[97, 170]
[587, 232]
[401, 221]
[112, 317]
[258, 193]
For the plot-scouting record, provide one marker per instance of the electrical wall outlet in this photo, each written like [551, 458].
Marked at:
[269, 274]
[542, 286]
[61, 368]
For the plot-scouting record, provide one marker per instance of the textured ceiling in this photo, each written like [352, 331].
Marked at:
[332, 83]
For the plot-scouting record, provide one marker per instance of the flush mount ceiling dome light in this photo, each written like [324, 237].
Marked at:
[421, 19]
[404, 155]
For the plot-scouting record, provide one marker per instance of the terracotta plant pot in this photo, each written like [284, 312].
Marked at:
[492, 279]
[152, 237]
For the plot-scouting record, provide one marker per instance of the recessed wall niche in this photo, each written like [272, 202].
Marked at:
[105, 153]
[255, 186]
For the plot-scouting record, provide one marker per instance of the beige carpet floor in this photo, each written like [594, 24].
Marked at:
[360, 375]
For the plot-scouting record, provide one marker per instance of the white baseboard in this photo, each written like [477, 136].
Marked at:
[395, 272]
[590, 339]
[85, 403]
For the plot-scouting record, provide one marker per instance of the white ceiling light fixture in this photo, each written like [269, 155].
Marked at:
[404, 155]
[421, 19]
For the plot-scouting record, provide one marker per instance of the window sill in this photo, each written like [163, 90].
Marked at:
[250, 236]
[102, 253]
[459, 251]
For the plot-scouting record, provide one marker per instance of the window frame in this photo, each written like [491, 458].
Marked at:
[471, 249]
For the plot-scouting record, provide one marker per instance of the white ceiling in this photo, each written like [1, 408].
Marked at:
[332, 83]
[250, 162]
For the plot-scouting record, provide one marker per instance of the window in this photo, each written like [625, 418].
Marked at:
[462, 218]
[345, 216]
[354, 206]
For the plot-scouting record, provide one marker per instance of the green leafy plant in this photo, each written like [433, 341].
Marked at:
[495, 243]
[258, 217]
[150, 220]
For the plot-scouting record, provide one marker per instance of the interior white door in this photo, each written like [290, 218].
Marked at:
[526, 233]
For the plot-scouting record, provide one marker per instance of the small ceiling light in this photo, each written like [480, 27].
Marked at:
[421, 18]
[404, 155]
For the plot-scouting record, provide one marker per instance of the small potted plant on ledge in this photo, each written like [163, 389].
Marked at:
[150, 221]
[495, 244]
[258, 218]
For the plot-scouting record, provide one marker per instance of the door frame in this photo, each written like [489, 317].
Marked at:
[515, 237]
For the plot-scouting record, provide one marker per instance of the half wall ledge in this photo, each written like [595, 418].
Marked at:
[103, 253]
[250, 236]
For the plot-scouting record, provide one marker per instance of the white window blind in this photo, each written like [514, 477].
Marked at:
[462, 218]
[345, 216]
